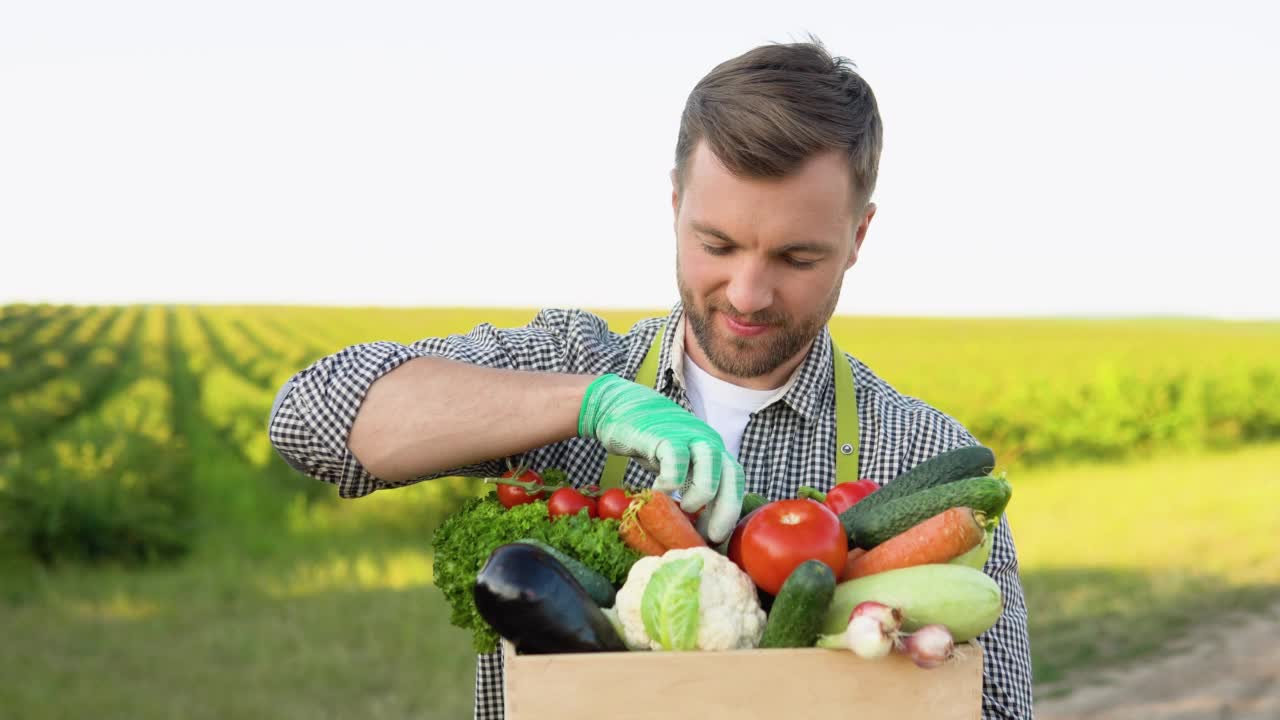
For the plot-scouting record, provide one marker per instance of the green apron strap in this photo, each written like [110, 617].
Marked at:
[846, 417]
[615, 466]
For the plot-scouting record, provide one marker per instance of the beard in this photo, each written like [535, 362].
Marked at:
[749, 357]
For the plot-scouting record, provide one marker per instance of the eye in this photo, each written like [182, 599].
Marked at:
[716, 249]
[801, 264]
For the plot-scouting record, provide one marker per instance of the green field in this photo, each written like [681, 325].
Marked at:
[158, 560]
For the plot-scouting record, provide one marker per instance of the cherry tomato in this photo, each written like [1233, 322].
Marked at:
[568, 501]
[847, 494]
[783, 534]
[612, 503]
[511, 496]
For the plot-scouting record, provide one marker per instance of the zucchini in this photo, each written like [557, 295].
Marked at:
[946, 467]
[593, 582]
[798, 610]
[967, 601]
[976, 558]
[868, 527]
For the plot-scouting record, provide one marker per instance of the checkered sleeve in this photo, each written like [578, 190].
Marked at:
[315, 409]
[489, 702]
[1006, 672]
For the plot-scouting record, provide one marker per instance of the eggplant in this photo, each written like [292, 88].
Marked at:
[530, 599]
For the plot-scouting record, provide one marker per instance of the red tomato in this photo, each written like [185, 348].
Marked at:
[735, 540]
[612, 503]
[783, 534]
[567, 501]
[511, 496]
[847, 494]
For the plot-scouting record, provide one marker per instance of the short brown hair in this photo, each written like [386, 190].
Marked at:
[767, 111]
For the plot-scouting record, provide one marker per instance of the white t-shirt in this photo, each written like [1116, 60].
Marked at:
[723, 405]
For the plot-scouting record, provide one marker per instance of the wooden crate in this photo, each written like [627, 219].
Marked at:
[739, 685]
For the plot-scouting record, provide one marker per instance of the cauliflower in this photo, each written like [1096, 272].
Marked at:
[728, 610]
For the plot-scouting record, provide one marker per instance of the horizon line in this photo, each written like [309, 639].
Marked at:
[1053, 315]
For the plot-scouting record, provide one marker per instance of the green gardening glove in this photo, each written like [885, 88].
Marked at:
[685, 452]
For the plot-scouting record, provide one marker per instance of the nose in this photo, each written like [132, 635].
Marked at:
[750, 289]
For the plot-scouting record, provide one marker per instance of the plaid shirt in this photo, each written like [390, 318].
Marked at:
[788, 443]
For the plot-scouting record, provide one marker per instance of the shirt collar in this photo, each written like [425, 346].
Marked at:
[803, 392]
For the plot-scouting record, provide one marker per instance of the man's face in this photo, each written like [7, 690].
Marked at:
[759, 262]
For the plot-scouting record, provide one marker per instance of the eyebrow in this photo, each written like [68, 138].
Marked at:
[811, 247]
[708, 230]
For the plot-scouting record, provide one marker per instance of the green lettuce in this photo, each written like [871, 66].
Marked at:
[463, 543]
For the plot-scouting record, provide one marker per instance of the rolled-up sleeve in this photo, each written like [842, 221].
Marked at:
[314, 411]
[313, 418]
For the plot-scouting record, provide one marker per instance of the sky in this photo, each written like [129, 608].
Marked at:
[1083, 158]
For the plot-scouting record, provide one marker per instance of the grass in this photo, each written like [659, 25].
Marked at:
[336, 626]
[1118, 561]
[335, 616]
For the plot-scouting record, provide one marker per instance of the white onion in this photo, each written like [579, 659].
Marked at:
[867, 639]
[930, 646]
[873, 629]
[890, 619]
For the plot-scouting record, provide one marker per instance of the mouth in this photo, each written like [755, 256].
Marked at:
[743, 329]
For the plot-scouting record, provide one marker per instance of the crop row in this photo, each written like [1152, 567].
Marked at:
[1035, 390]
[1038, 391]
[110, 482]
[155, 428]
[234, 407]
[30, 413]
[19, 323]
[64, 352]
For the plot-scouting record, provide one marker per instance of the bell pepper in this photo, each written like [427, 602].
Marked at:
[842, 496]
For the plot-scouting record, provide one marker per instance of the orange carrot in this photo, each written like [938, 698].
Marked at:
[637, 539]
[663, 519]
[854, 554]
[940, 538]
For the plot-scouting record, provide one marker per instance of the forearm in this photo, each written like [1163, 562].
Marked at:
[431, 414]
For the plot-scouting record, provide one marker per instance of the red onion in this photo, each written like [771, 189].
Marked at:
[930, 646]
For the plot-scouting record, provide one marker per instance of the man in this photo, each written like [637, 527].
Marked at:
[776, 162]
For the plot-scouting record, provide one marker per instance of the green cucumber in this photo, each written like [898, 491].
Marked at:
[868, 527]
[946, 467]
[796, 616]
[593, 582]
[967, 601]
[751, 501]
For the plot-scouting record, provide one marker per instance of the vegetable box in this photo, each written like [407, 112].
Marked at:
[739, 685]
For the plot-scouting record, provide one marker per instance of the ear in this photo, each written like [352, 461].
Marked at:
[861, 234]
[675, 193]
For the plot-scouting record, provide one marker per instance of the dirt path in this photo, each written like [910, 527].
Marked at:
[1231, 671]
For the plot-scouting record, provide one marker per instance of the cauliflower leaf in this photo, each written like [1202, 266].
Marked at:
[669, 606]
